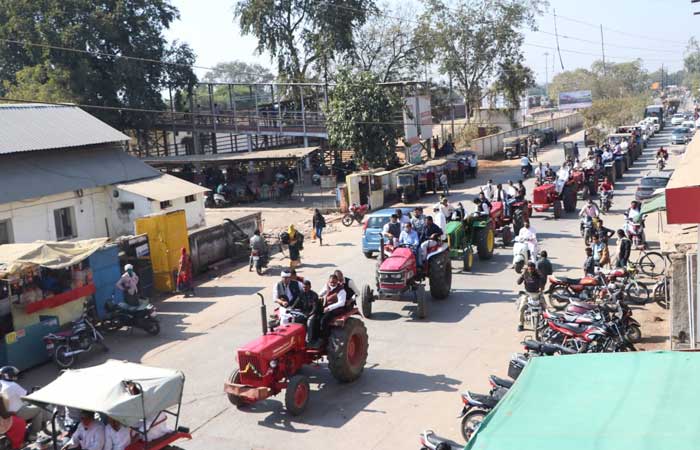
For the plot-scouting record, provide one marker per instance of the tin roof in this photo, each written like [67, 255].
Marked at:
[163, 188]
[28, 175]
[262, 155]
[29, 127]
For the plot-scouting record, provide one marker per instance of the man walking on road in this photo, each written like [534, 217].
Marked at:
[544, 267]
[624, 247]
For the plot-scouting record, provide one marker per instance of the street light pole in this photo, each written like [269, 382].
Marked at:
[546, 74]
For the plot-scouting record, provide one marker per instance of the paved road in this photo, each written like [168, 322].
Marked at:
[415, 370]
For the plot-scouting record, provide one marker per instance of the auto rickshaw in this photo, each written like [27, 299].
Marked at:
[407, 185]
[133, 394]
[514, 146]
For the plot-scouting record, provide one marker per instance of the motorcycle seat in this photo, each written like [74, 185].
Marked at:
[565, 280]
[588, 281]
[501, 382]
[583, 305]
[435, 440]
[576, 328]
[486, 400]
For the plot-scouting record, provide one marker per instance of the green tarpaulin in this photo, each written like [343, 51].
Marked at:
[609, 401]
[657, 203]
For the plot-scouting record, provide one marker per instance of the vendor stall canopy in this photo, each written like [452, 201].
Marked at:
[103, 389]
[605, 401]
[53, 255]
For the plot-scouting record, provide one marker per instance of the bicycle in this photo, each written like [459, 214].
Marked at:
[651, 264]
[661, 292]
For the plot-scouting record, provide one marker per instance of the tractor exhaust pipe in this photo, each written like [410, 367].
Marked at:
[381, 247]
[263, 313]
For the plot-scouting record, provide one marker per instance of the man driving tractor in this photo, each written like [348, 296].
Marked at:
[333, 297]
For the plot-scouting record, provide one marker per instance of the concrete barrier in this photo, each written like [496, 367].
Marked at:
[488, 146]
[228, 240]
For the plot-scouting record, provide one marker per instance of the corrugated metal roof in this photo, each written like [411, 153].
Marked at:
[283, 153]
[28, 127]
[36, 174]
[162, 188]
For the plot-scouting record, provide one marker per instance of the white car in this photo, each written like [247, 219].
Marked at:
[655, 122]
[689, 124]
[677, 119]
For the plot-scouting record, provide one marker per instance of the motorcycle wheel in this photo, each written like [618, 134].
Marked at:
[634, 333]
[636, 293]
[559, 297]
[519, 266]
[471, 422]
[152, 327]
[64, 361]
[347, 220]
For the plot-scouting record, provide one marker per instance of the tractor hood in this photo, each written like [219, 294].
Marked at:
[398, 260]
[275, 343]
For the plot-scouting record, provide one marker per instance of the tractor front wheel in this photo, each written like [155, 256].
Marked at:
[557, 209]
[297, 395]
[468, 259]
[507, 236]
[421, 302]
[235, 378]
[347, 350]
[367, 299]
[440, 276]
[485, 239]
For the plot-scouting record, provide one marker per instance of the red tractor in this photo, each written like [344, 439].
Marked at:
[586, 183]
[547, 195]
[520, 212]
[399, 276]
[272, 362]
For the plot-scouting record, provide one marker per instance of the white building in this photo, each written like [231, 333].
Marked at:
[64, 175]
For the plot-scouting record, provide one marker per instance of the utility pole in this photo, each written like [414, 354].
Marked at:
[662, 76]
[556, 35]
[546, 74]
[602, 48]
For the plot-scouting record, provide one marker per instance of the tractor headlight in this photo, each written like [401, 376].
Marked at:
[273, 363]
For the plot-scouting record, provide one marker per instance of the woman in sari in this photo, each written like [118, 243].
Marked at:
[295, 243]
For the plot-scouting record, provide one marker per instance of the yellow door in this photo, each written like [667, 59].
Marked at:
[167, 234]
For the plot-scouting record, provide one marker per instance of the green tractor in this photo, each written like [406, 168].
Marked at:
[464, 235]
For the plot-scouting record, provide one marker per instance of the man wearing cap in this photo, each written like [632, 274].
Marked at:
[128, 283]
[285, 292]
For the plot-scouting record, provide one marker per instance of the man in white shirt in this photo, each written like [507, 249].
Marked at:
[13, 392]
[90, 434]
[128, 283]
[334, 297]
[285, 292]
[445, 208]
[489, 190]
[117, 436]
[439, 218]
[529, 235]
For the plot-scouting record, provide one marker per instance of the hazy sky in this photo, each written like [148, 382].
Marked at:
[654, 30]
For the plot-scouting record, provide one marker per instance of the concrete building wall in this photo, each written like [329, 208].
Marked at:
[33, 219]
[121, 218]
[194, 210]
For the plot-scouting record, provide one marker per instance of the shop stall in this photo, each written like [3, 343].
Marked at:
[44, 286]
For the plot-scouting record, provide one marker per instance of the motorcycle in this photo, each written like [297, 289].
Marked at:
[660, 163]
[64, 346]
[605, 200]
[122, 315]
[635, 231]
[586, 228]
[521, 254]
[476, 408]
[525, 171]
[533, 311]
[316, 179]
[356, 213]
[563, 290]
[260, 259]
[430, 441]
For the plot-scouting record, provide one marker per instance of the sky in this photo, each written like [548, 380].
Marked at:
[654, 30]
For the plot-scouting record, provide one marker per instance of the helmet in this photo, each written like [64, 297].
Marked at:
[9, 373]
[128, 267]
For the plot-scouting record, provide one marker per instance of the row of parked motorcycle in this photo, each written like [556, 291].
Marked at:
[86, 333]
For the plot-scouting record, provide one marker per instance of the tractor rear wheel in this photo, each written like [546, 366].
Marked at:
[506, 236]
[569, 197]
[440, 276]
[235, 378]
[485, 242]
[367, 301]
[518, 220]
[297, 395]
[557, 209]
[347, 350]
[468, 259]
[421, 302]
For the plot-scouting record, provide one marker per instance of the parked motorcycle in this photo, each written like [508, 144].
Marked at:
[356, 213]
[533, 310]
[563, 290]
[521, 254]
[120, 315]
[660, 163]
[476, 408]
[430, 441]
[64, 346]
[260, 259]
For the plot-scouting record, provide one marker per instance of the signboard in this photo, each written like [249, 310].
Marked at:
[575, 99]
[421, 117]
[415, 154]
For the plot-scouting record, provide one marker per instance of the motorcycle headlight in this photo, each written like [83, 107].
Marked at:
[273, 363]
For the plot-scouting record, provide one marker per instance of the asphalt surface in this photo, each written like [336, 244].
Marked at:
[416, 368]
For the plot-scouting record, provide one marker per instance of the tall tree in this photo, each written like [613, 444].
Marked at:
[387, 46]
[471, 38]
[514, 79]
[111, 27]
[238, 72]
[362, 116]
[303, 34]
